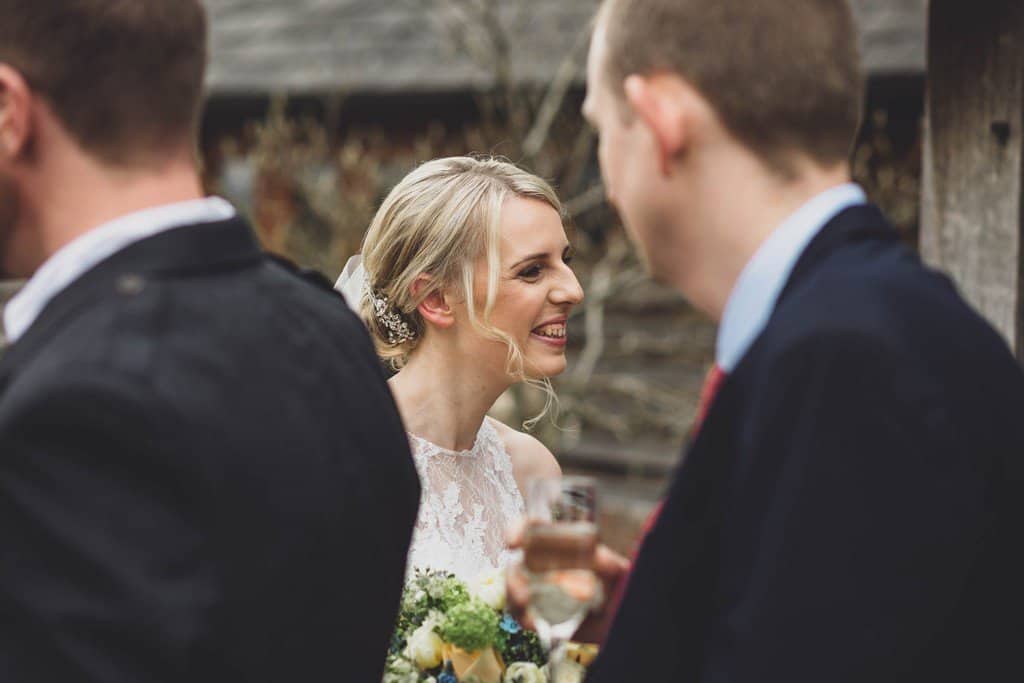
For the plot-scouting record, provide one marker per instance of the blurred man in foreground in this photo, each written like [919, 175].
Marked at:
[203, 476]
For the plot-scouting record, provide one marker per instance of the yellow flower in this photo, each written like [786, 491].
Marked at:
[425, 647]
[525, 672]
[584, 653]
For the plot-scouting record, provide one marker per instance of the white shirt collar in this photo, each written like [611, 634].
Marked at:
[758, 288]
[84, 252]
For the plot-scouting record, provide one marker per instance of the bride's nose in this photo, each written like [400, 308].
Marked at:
[568, 289]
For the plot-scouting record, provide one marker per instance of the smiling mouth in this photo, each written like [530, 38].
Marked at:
[552, 331]
[552, 334]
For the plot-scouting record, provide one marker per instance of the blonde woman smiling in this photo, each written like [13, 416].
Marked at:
[465, 284]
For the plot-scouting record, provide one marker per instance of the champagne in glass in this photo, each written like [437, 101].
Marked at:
[559, 545]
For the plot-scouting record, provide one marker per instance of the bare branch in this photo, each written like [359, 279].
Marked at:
[600, 283]
[555, 96]
[475, 28]
[461, 25]
[589, 200]
[601, 287]
[578, 161]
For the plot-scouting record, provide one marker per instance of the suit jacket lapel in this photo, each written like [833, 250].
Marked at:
[194, 248]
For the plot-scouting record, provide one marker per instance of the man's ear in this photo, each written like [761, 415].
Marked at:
[435, 308]
[15, 119]
[657, 100]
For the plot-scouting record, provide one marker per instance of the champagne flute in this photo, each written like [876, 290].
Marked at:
[559, 546]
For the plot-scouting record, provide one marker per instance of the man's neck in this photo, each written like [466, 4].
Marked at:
[100, 195]
[737, 219]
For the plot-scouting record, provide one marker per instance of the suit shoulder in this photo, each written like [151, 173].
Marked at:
[904, 326]
[109, 333]
[878, 293]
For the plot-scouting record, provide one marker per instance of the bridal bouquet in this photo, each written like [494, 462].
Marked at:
[452, 632]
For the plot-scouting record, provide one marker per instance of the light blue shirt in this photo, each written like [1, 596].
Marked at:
[755, 293]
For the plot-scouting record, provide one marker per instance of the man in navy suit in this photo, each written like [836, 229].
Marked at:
[850, 507]
[203, 475]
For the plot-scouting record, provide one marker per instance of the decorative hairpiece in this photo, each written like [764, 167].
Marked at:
[354, 284]
[398, 329]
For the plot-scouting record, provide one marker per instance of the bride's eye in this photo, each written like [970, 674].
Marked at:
[531, 272]
[568, 255]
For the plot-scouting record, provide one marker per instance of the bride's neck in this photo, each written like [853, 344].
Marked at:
[444, 399]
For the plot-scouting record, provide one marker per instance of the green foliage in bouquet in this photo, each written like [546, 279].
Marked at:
[427, 592]
[470, 625]
[438, 609]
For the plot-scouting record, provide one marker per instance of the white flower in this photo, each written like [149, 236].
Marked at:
[489, 588]
[425, 647]
[525, 672]
[400, 670]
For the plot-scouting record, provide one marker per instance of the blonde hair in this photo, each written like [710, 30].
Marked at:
[438, 221]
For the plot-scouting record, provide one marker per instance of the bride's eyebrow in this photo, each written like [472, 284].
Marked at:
[531, 257]
[539, 255]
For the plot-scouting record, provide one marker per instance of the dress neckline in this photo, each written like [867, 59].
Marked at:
[432, 448]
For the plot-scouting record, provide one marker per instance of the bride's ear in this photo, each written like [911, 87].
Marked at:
[435, 308]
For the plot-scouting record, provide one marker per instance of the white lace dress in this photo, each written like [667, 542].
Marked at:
[469, 498]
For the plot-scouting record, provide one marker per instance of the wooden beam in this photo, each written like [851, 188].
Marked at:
[972, 183]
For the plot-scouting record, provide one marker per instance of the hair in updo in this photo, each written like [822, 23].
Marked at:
[438, 221]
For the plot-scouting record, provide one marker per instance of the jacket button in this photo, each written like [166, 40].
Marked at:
[130, 284]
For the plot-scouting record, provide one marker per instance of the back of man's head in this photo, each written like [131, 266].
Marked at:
[124, 77]
[783, 76]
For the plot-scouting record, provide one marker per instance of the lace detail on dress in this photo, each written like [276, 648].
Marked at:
[469, 498]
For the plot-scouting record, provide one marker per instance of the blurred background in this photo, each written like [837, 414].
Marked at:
[318, 107]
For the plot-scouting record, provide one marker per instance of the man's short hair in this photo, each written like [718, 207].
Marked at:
[783, 75]
[125, 77]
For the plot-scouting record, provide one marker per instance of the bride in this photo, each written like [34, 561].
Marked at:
[466, 287]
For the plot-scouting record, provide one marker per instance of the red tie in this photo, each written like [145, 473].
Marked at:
[712, 383]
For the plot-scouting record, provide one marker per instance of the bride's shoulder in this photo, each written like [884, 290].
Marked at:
[530, 458]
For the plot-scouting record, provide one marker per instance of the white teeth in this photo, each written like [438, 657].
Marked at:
[556, 331]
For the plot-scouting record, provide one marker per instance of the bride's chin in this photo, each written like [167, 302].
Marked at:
[549, 367]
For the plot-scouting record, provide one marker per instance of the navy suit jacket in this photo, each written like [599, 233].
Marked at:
[203, 476]
[851, 509]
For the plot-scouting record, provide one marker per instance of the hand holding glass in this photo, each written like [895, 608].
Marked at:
[559, 545]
